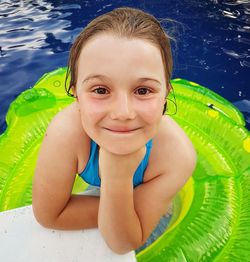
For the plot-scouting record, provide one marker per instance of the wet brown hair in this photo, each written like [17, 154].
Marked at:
[123, 22]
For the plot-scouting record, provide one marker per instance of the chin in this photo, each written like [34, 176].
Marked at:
[123, 146]
[119, 150]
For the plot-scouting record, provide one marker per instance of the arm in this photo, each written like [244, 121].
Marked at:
[117, 218]
[53, 204]
[127, 217]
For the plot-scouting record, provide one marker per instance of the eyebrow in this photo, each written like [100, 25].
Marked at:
[103, 77]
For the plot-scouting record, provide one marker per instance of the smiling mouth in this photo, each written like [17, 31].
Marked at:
[122, 131]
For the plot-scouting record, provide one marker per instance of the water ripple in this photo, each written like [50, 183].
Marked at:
[245, 63]
[243, 40]
[233, 54]
[67, 7]
[32, 23]
[231, 14]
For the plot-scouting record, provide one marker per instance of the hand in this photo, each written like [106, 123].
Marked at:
[113, 166]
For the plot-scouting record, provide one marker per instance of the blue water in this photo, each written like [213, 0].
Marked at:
[212, 49]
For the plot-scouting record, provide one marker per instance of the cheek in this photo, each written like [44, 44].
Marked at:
[91, 109]
[151, 111]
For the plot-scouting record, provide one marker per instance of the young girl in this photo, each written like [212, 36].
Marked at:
[114, 135]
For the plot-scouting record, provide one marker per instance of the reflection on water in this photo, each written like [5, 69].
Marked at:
[239, 12]
[30, 23]
[212, 45]
[35, 37]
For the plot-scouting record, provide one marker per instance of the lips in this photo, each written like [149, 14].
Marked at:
[121, 129]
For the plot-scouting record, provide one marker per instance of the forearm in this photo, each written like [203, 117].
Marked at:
[81, 212]
[117, 219]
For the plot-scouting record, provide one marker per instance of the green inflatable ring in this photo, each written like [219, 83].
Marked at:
[211, 220]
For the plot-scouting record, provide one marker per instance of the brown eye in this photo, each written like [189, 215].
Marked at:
[143, 91]
[100, 91]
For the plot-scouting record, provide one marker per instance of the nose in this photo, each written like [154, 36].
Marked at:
[122, 108]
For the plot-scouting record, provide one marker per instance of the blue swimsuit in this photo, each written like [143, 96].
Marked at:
[91, 172]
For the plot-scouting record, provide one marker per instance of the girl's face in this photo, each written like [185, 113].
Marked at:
[121, 92]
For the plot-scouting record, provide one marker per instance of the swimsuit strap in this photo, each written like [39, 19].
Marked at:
[91, 170]
[139, 173]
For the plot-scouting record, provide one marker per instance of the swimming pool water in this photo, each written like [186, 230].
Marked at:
[212, 48]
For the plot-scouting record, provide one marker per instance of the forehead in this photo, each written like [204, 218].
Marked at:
[115, 55]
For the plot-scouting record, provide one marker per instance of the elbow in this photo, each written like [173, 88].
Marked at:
[42, 219]
[121, 248]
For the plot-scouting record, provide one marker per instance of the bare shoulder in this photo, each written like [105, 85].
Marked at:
[65, 131]
[176, 140]
[66, 124]
[172, 151]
